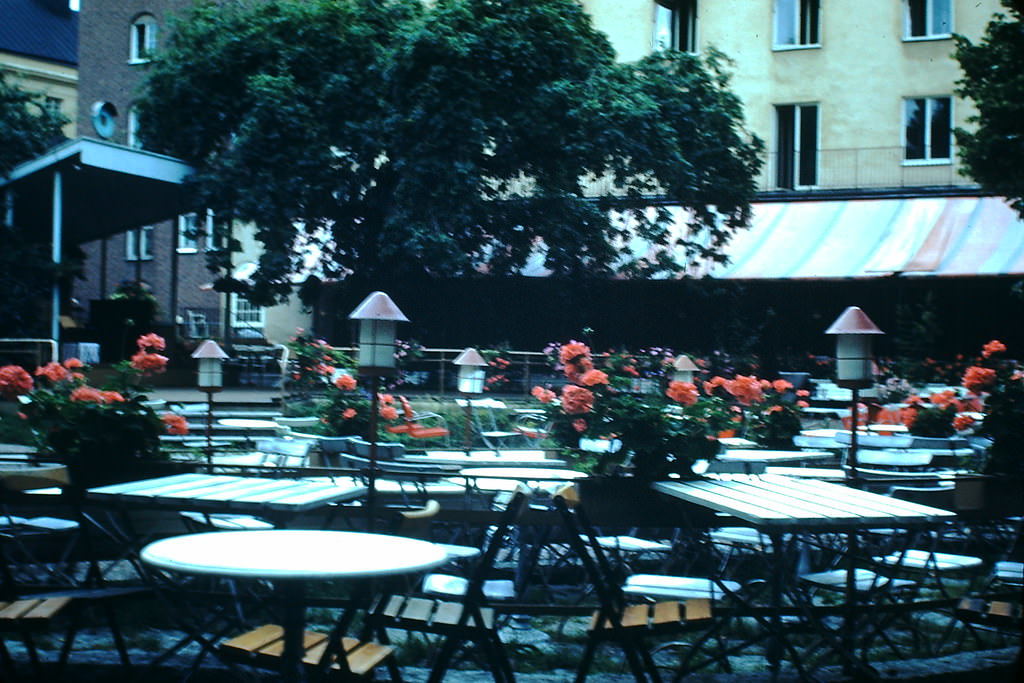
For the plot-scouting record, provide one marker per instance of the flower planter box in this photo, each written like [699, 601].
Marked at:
[632, 502]
[989, 496]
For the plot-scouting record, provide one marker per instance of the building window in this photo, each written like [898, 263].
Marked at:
[796, 135]
[143, 39]
[53, 105]
[927, 123]
[196, 324]
[675, 25]
[245, 315]
[188, 234]
[929, 19]
[796, 23]
[137, 244]
[133, 129]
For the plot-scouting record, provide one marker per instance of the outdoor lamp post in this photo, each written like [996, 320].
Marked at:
[854, 364]
[376, 317]
[683, 369]
[211, 359]
[471, 381]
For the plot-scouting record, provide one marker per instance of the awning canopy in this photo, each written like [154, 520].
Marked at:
[106, 189]
[859, 238]
[922, 236]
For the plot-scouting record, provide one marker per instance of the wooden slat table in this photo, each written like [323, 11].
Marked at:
[778, 505]
[771, 501]
[278, 500]
[227, 493]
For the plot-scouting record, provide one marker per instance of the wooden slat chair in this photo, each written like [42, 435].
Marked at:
[37, 598]
[329, 655]
[457, 619]
[420, 425]
[616, 621]
[1000, 615]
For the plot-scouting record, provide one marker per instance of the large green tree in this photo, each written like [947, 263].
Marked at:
[27, 128]
[994, 78]
[453, 137]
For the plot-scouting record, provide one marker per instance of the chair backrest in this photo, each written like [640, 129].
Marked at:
[933, 496]
[285, 452]
[494, 544]
[583, 541]
[875, 440]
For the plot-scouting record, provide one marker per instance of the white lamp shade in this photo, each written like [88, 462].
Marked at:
[211, 372]
[471, 379]
[376, 343]
[854, 361]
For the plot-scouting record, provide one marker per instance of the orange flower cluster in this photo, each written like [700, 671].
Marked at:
[345, 382]
[593, 377]
[543, 394]
[577, 400]
[747, 389]
[176, 424]
[682, 392]
[993, 347]
[92, 395]
[962, 422]
[146, 360]
[14, 381]
[977, 378]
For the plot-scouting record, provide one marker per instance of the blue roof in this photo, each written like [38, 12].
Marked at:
[45, 29]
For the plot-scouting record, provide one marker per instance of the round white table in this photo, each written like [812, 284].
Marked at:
[291, 558]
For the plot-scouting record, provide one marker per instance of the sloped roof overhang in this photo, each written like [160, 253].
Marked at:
[105, 189]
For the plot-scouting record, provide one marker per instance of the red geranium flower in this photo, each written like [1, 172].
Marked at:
[577, 400]
[15, 381]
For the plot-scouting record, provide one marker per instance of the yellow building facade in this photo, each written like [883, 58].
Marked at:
[844, 95]
[56, 83]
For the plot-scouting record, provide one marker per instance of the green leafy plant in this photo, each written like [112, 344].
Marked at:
[1000, 383]
[94, 430]
[660, 432]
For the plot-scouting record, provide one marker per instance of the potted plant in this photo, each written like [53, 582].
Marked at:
[662, 432]
[999, 383]
[104, 435]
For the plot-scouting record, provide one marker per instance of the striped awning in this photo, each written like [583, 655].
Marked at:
[937, 236]
[863, 238]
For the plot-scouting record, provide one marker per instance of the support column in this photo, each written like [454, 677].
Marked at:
[57, 237]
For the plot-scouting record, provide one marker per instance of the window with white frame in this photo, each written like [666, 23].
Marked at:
[675, 25]
[188, 234]
[796, 23]
[246, 315]
[796, 145]
[143, 39]
[137, 244]
[133, 128]
[927, 128]
[929, 19]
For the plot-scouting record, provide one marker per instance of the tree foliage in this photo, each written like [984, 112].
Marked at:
[994, 79]
[450, 138]
[26, 130]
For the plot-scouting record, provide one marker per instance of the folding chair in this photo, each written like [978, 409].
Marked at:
[615, 620]
[49, 573]
[461, 620]
[485, 421]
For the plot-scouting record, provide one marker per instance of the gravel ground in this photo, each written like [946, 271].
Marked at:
[101, 665]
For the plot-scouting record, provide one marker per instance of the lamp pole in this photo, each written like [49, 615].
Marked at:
[854, 366]
[376, 317]
[471, 382]
[210, 379]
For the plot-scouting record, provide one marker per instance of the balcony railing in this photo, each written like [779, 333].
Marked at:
[864, 168]
[867, 168]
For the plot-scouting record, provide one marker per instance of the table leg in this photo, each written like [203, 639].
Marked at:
[293, 612]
